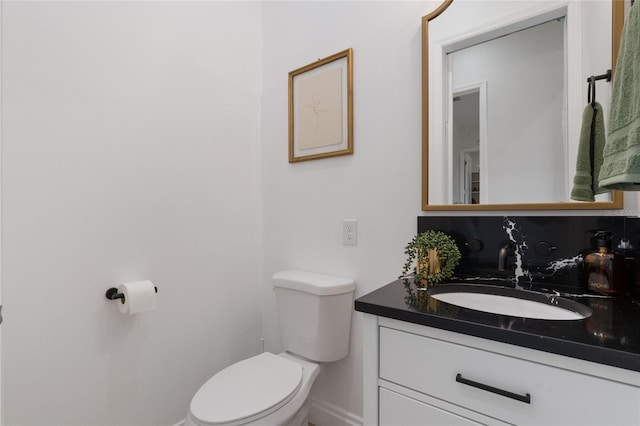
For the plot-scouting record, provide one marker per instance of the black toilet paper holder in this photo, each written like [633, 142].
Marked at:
[112, 294]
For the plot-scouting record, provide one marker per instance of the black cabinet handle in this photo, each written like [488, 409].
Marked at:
[523, 398]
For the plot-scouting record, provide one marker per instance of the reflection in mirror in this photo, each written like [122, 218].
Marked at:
[506, 84]
[522, 76]
[466, 147]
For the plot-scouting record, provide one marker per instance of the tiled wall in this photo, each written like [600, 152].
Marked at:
[546, 250]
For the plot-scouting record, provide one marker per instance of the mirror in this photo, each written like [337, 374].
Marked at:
[504, 86]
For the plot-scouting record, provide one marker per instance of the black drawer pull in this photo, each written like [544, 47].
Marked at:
[524, 398]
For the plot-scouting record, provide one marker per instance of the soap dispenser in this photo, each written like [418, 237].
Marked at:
[605, 270]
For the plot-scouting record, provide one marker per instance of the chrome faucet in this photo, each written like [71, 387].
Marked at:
[506, 250]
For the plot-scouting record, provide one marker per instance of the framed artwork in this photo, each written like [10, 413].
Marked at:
[321, 108]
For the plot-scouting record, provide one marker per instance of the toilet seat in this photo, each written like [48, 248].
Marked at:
[247, 390]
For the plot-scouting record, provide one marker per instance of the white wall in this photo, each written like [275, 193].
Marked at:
[305, 203]
[130, 151]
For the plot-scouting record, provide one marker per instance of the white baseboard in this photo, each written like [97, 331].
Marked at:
[324, 413]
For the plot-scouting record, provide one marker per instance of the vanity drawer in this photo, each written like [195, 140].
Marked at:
[397, 409]
[511, 389]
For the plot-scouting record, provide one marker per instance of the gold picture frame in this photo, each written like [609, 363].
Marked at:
[321, 108]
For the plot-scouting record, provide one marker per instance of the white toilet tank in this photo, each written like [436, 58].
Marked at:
[314, 312]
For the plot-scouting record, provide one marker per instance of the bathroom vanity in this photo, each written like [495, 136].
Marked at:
[431, 363]
[435, 364]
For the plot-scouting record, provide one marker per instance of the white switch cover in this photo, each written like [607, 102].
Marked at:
[350, 232]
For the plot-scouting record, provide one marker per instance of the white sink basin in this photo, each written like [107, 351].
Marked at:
[510, 301]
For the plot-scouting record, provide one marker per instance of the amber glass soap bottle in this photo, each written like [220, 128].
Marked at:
[604, 269]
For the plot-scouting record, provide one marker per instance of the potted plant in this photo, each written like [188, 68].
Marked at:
[432, 256]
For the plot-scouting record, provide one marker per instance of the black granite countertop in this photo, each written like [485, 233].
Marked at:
[611, 335]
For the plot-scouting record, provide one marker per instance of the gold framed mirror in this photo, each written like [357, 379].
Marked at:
[615, 200]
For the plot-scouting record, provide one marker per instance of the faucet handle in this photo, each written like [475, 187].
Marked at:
[544, 248]
[474, 245]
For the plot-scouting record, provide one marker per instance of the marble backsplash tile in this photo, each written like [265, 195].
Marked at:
[532, 250]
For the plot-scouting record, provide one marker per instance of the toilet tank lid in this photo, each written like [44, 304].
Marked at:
[314, 283]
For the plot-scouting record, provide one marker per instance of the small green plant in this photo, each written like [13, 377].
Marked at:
[432, 256]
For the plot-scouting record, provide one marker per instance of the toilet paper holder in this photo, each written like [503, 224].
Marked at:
[112, 294]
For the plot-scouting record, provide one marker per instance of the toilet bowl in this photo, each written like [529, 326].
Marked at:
[314, 313]
[266, 389]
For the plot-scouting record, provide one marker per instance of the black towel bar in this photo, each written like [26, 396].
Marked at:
[605, 76]
[591, 89]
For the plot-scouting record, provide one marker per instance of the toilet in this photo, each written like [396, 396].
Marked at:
[314, 315]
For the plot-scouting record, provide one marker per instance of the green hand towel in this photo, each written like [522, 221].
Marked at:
[590, 155]
[621, 168]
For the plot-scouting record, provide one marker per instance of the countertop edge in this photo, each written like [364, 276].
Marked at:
[600, 355]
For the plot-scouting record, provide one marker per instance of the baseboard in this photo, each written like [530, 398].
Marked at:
[324, 413]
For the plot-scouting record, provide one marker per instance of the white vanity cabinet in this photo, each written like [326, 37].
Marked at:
[418, 375]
